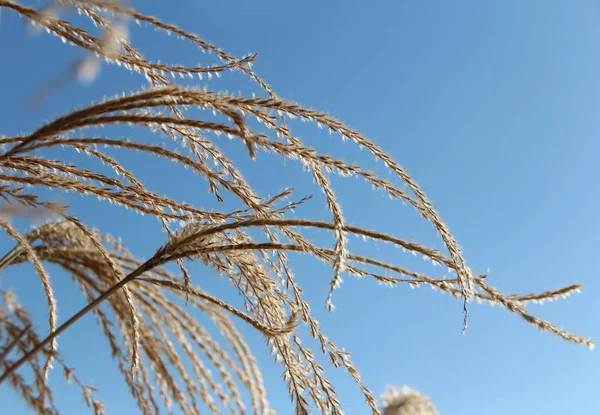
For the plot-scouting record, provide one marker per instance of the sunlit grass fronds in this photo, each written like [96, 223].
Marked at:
[146, 312]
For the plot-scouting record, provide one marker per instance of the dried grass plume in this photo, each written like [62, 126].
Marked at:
[144, 309]
[406, 401]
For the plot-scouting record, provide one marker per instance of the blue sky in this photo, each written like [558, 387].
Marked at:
[491, 106]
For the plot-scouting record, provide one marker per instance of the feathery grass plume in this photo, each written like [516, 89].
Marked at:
[162, 351]
[406, 401]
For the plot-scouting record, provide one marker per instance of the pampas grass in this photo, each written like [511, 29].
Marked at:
[157, 345]
[406, 401]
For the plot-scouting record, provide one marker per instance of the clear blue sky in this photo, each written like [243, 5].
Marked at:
[491, 106]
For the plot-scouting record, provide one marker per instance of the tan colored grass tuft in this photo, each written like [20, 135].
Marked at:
[160, 349]
[406, 401]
